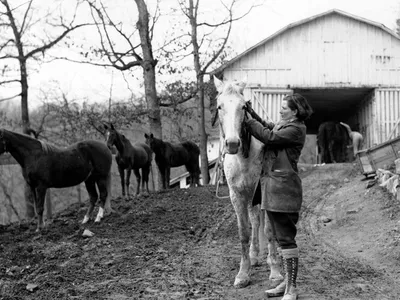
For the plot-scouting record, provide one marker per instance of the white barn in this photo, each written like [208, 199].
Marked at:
[346, 66]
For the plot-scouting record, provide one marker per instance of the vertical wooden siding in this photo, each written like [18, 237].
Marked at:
[331, 51]
[366, 120]
[387, 113]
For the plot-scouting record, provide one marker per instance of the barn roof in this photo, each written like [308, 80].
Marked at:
[301, 22]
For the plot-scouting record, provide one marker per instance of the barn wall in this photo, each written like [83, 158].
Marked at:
[365, 122]
[387, 102]
[330, 51]
[378, 116]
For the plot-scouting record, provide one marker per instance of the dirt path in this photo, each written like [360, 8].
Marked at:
[183, 244]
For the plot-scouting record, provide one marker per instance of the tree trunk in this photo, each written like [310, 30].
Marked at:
[29, 199]
[202, 132]
[200, 87]
[149, 74]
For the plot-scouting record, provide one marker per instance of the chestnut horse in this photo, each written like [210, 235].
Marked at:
[168, 155]
[333, 139]
[46, 166]
[136, 157]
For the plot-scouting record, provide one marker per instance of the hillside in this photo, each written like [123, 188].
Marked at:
[183, 244]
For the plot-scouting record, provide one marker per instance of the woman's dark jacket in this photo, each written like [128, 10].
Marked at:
[289, 136]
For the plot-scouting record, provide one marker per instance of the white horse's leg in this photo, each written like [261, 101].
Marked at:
[254, 214]
[242, 279]
[273, 258]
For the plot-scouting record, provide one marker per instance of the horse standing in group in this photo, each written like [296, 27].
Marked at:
[130, 157]
[46, 166]
[242, 167]
[168, 155]
[333, 139]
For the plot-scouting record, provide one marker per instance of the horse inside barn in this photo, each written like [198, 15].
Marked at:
[333, 140]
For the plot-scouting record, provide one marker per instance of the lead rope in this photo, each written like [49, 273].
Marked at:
[219, 174]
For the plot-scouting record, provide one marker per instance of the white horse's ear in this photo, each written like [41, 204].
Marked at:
[218, 84]
[242, 85]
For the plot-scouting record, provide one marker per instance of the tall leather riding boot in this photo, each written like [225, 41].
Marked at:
[291, 264]
[279, 290]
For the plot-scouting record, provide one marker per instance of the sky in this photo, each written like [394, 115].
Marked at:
[99, 84]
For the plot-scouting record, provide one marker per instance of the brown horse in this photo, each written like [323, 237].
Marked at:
[333, 139]
[130, 157]
[46, 166]
[174, 155]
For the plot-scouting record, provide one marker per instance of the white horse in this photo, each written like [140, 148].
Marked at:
[242, 166]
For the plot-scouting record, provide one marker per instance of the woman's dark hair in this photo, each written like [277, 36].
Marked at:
[297, 101]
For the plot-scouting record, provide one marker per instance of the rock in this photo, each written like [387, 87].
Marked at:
[325, 219]
[31, 287]
[87, 233]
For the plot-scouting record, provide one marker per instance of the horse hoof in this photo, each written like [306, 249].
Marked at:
[85, 219]
[255, 262]
[241, 282]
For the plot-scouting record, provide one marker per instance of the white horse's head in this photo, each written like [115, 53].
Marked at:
[231, 113]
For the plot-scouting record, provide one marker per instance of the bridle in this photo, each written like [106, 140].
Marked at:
[245, 135]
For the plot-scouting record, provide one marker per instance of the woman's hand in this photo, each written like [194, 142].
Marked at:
[252, 113]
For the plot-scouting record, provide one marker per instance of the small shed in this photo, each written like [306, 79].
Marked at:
[346, 66]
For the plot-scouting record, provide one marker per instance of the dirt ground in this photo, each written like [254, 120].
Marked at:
[183, 244]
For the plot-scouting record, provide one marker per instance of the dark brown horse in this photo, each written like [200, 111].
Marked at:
[333, 139]
[130, 157]
[46, 166]
[169, 155]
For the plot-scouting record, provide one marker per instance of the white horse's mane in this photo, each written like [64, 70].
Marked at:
[232, 88]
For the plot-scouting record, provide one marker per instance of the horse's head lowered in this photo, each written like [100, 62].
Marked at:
[231, 113]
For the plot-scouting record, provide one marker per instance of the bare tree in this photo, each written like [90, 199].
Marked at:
[135, 50]
[24, 40]
[207, 48]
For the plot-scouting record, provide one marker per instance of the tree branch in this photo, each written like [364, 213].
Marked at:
[10, 98]
[54, 42]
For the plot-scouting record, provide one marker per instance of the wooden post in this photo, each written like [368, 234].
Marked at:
[397, 164]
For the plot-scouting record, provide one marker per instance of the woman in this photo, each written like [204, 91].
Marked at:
[282, 198]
